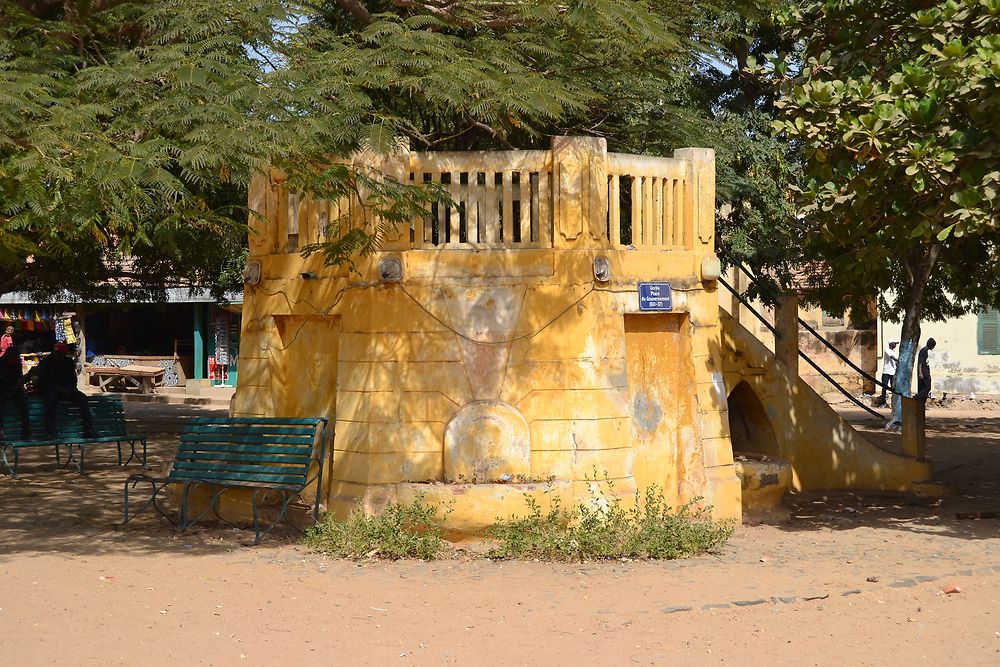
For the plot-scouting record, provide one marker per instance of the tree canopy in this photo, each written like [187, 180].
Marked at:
[129, 129]
[894, 106]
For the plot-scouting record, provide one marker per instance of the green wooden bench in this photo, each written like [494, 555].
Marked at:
[109, 427]
[262, 454]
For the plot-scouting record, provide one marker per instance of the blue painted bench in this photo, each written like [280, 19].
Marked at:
[260, 454]
[109, 427]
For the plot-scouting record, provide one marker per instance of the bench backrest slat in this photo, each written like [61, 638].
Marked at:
[222, 478]
[246, 438]
[107, 412]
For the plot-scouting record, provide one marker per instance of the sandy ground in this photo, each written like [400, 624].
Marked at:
[850, 580]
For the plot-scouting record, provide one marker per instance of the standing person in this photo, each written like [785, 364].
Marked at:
[56, 376]
[7, 339]
[890, 358]
[924, 370]
[12, 389]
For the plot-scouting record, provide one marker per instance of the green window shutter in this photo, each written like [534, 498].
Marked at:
[988, 332]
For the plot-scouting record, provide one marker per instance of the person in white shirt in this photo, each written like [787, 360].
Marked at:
[890, 358]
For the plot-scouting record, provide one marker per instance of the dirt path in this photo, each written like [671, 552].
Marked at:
[74, 590]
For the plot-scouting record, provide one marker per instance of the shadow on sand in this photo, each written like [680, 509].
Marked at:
[57, 511]
[52, 509]
[964, 448]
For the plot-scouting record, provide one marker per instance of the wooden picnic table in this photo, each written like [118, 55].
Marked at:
[145, 379]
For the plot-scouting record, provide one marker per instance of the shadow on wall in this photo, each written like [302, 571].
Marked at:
[749, 427]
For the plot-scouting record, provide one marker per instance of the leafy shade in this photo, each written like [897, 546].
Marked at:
[127, 131]
[895, 108]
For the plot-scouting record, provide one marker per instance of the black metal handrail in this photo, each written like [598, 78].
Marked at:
[802, 354]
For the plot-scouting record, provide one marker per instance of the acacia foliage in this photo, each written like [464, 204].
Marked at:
[650, 77]
[129, 129]
[126, 130]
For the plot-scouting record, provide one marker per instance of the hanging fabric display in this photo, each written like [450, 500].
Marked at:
[222, 338]
[68, 329]
[60, 331]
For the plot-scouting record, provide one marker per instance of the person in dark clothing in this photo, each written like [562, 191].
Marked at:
[12, 388]
[924, 370]
[56, 380]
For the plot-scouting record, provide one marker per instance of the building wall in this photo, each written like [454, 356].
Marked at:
[436, 379]
[956, 365]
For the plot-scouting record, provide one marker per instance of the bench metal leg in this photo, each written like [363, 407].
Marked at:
[155, 489]
[286, 500]
[133, 454]
[183, 524]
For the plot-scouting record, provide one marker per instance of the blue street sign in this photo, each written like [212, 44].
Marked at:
[655, 296]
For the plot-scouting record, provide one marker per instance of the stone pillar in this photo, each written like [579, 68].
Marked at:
[699, 231]
[786, 338]
[580, 183]
[914, 420]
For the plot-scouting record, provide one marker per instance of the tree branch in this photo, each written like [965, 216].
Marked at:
[357, 10]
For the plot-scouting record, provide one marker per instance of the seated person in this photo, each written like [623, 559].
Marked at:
[55, 377]
[12, 389]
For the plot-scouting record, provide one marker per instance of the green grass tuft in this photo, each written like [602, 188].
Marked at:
[398, 531]
[606, 529]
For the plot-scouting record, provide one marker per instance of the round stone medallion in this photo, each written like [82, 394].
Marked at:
[487, 441]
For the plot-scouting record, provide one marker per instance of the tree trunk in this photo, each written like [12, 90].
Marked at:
[918, 265]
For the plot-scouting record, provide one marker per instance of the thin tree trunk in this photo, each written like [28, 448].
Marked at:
[918, 267]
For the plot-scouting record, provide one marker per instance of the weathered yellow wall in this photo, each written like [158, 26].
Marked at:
[393, 365]
[488, 371]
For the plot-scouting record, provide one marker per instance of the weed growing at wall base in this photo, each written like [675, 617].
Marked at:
[398, 531]
[604, 528]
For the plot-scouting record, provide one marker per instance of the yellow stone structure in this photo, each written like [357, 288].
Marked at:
[497, 347]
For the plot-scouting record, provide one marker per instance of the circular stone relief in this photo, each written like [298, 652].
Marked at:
[487, 441]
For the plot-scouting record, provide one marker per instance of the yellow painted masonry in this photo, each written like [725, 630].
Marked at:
[782, 417]
[499, 363]
[499, 347]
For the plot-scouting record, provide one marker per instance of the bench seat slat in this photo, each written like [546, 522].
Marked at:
[263, 421]
[236, 483]
[293, 470]
[203, 431]
[245, 447]
[70, 440]
[222, 459]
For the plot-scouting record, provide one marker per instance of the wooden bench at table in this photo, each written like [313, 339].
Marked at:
[261, 454]
[124, 378]
[108, 415]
